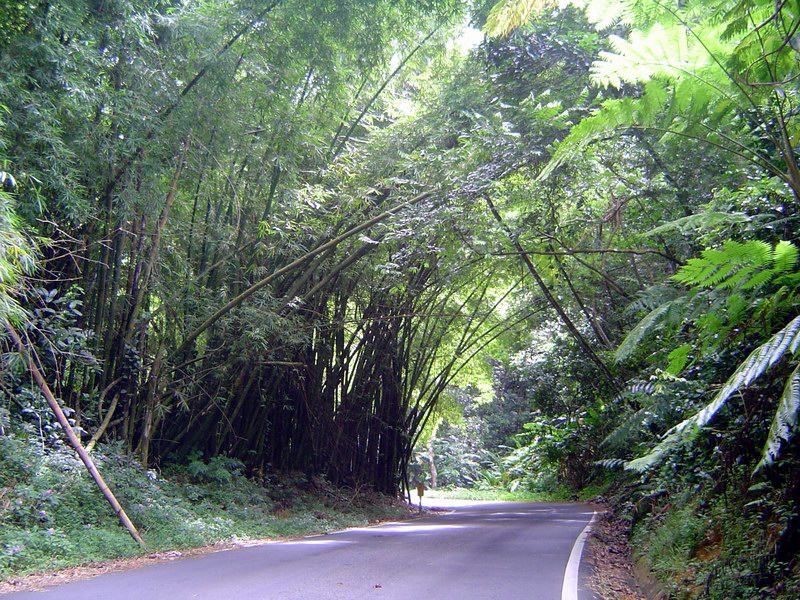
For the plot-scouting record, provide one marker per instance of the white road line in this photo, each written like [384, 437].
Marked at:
[569, 591]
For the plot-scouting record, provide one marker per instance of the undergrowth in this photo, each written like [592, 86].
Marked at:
[718, 540]
[53, 516]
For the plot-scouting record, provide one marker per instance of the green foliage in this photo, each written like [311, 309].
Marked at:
[703, 220]
[218, 468]
[691, 74]
[739, 265]
[696, 538]
[507, 15]
[52, 515]
[756, 364]
[784, 424]
[17, 256]
[655, 319]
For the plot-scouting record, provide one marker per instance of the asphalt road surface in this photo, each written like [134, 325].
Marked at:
[480, 550]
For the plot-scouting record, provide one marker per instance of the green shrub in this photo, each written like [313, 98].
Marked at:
[52, 515]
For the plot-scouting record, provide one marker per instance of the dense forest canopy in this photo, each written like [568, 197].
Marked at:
[316, 236]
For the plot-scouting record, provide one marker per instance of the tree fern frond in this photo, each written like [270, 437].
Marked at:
[604, 13]
[785, 257]
[614, 115]
[653, 297]
[653, 320]
[761, 359]
[747, 265]
[699, 222]
[678, 359]
[654, 456]
[784, 423]
[667, 51]
[610, 463]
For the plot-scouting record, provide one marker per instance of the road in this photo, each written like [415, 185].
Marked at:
[480, 550]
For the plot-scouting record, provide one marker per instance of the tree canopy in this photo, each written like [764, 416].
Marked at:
[324, 237]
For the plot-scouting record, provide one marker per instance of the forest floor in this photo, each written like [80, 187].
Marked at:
[614, 575]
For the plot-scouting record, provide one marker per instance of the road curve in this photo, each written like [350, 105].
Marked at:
[480, 550]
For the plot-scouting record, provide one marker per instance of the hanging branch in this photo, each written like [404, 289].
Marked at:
[73, 439]
[576, 334]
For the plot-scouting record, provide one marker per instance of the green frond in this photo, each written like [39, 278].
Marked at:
[654, 320]
[604, 13]
[643, 463]
[678, 359]
[653, 297]
[699, 222]
[610, 463]
[614, 115]
[785, 257]
[784, 423]
[747, 265]
[756, 364]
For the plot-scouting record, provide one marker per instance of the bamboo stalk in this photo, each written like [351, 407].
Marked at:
[71, 436]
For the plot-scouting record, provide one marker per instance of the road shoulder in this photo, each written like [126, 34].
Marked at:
[611, 573]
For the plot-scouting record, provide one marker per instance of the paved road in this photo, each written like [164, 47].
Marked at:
[508, 551]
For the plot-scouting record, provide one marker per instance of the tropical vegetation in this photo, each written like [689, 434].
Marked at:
[359, 243]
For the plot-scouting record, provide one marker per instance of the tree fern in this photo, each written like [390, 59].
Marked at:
[747, 265]
[785, 421]
[653, 321]
[508, 15]
[662, 51]
[613, 115]
[756, 364]
[700, 221]
[708, 70]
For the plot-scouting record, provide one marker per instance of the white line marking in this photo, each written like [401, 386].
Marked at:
[569, 591]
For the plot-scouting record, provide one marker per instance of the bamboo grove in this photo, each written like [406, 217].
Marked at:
[214, 275]
[282, 231]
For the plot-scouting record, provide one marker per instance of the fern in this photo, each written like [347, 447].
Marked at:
[653, 297]
[785, 421]
[662, 51]
[759, 361]
[610, 463]
[678, 359]
[747, 265]
[508, 15]
[700, 221]
[653, 321]
[613, 115]
[709, 69]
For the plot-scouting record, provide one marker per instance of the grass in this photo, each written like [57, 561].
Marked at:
[52, 516]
